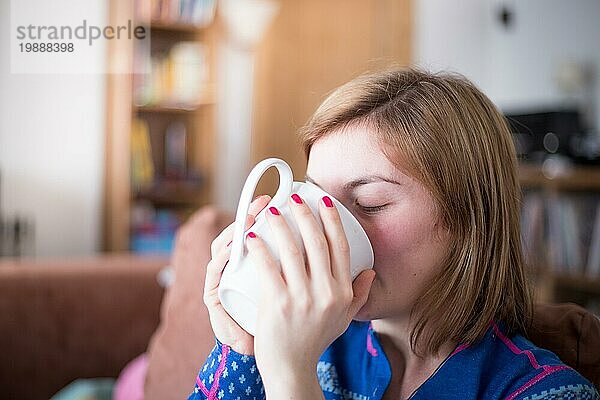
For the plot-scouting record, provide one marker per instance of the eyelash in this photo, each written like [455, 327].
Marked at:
[371, 210]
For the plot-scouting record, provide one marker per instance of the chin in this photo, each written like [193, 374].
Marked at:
[366, 313]
[378, 308]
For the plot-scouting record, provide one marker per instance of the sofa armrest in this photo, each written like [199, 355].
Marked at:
[69, 319]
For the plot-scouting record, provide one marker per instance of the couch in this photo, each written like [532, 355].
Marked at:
[88, 318]
[77, 318]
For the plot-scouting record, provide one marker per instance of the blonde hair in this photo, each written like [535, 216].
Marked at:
[454, 140]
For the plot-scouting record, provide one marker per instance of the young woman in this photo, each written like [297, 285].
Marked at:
[427, 165]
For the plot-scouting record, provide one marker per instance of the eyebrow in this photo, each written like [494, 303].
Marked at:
[363, 180]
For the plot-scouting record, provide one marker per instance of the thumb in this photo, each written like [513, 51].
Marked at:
[361, 287]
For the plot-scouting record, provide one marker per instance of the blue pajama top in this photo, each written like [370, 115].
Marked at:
[354, 367]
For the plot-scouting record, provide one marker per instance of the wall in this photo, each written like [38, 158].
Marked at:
[516, 67]
[51, 150]
[452, 36]
[311, 47]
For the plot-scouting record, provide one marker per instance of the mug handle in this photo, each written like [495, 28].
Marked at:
[283, 191]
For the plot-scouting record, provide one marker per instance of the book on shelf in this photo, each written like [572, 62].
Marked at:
[532, 225]
[142, 166]
[593, 265]
[562, 231]
[198, 13]
[176, 78]
[175, 151]
[152, 230]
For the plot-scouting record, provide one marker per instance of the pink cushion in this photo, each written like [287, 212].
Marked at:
[130, 384]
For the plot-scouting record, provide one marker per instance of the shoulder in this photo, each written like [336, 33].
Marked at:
[522, 370]
[553, 383]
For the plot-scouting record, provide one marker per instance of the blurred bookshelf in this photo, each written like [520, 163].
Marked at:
[160, 130]
[560, 224]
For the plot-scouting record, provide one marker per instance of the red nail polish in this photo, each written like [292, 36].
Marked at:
[274, 211]
[327, 201]
[251, 235]
[296, 199]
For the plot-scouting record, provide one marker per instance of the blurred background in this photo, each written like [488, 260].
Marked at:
[93, 164]
[116, 162]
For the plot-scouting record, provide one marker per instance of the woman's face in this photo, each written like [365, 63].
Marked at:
[396, 211]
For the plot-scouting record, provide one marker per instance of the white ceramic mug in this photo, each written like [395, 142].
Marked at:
[239, 289]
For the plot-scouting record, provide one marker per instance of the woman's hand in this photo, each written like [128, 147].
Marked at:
[224, 327]
[306, 304]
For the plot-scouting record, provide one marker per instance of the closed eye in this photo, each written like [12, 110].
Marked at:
[371, 210]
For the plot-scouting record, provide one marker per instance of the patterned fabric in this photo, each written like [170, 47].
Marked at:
[570, 392]
[328, 380]
[355, 367]
[229, 375]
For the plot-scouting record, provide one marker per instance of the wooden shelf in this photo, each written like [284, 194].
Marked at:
[122, 112]
[174, 109]
[164, 109]
[554, 284]
[172, 193]
[577, 282]
[577, 178]
[177, 27]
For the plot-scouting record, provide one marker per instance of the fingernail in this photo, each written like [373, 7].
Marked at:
[296, 199]
[274, 211]
[327, 201]
[251, 235]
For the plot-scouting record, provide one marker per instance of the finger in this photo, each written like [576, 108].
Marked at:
[258, 204]
[269, 270]
[315, 243]
[293, 266]
[226, 235]
[361, 288]
[214, 271]
[255, 207]
[339, 250]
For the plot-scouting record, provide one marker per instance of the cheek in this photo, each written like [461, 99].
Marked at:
[406, 243]
[388, 241]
